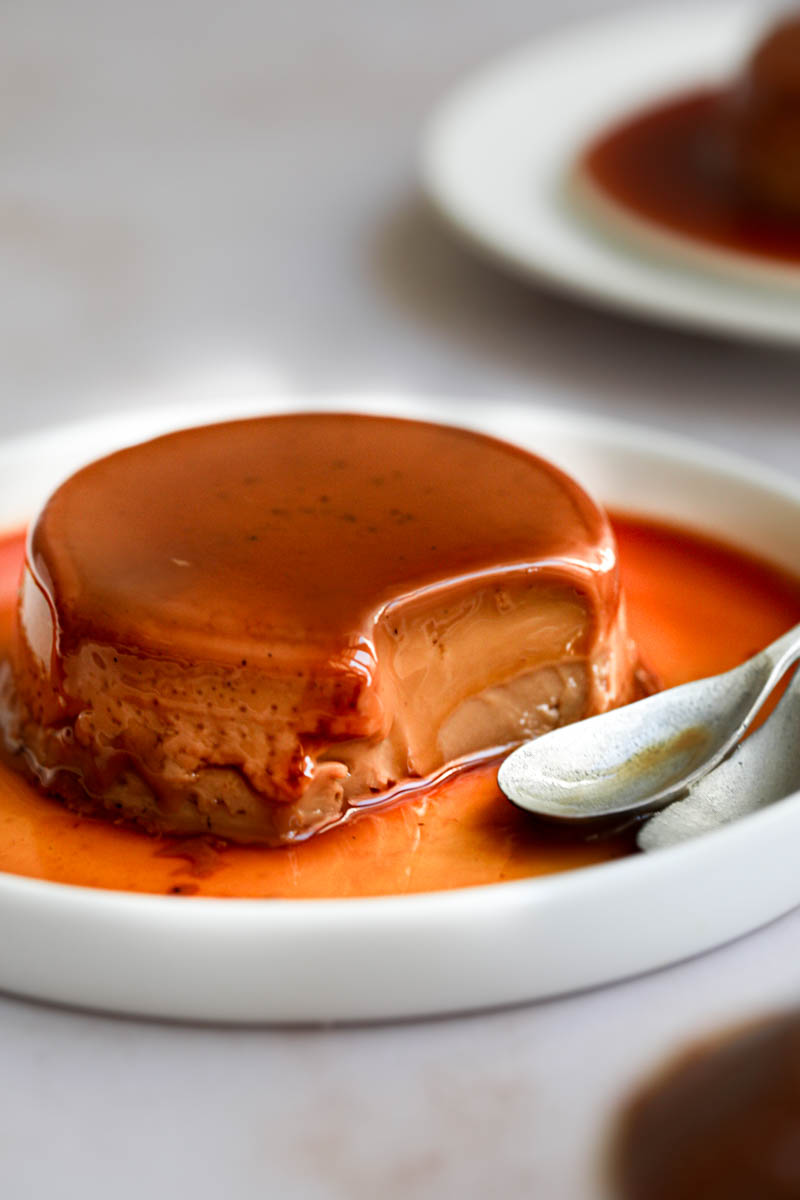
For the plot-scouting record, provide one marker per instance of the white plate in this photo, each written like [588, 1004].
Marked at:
[498, 153]
[330, 960]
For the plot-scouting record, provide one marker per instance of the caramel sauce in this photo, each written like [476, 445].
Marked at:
[695, 608]
[668, 166]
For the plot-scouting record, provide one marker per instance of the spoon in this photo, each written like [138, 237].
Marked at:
[639, 758]
[761, 770]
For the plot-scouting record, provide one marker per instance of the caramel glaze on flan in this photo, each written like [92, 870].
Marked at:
[249, 629]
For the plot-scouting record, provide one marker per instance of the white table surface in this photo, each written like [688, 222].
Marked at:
[200, 199]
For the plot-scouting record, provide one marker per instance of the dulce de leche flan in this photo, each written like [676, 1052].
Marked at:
[250, 629]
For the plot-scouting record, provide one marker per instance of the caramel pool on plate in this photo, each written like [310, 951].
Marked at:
[694, 607]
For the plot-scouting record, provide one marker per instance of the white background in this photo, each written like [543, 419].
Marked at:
[200, 199]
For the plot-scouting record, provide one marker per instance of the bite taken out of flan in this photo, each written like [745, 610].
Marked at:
[251, 629]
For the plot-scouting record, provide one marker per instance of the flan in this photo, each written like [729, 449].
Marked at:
[254, 628]
[762, 121]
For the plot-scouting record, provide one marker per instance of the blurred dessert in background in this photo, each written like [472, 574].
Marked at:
[718, 166]
[247, 629]
[762, 118]
[721, 1123]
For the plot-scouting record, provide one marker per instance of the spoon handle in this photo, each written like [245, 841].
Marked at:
[771, 664]
[762, 770]
[782, 653]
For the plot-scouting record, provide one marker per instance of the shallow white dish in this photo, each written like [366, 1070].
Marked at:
[334, 960]
[498, 154]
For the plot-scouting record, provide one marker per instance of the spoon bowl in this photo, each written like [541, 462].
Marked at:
[637, 759]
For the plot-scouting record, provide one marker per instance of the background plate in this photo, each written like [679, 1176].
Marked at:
[497, 154]
[333, 960]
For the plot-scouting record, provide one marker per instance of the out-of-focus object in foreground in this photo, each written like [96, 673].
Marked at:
[721, 1123]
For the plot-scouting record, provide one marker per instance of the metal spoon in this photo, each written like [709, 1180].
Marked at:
[638, 758]
[761, 770]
